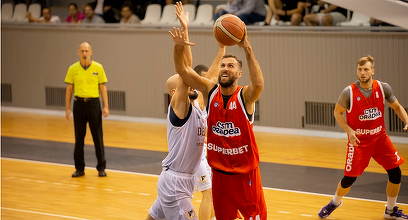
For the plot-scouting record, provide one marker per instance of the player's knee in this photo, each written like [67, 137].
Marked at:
[394, 175]
[347, 181]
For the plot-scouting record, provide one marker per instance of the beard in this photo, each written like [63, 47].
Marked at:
[193, 94]
[364, 81]
[227, 83]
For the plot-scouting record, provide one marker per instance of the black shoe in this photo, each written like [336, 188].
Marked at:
[101, 173]
[78, 173]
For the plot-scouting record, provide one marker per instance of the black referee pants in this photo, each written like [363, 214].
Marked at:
[88, 111]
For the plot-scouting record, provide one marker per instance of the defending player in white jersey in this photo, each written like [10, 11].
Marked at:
[186, 126]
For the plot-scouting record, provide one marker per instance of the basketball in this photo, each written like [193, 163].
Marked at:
[229, 29]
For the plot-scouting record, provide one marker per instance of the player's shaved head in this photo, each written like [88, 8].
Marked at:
[171, 83]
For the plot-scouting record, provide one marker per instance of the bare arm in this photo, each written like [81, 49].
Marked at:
[338, 114]
[298, 10]
[184, 21]
[68, 96]
[253, 91]
[400, 111]
[213, 71]
[104, 93]
[188, 75]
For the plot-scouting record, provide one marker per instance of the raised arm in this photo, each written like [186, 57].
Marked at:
[213, 71]
[184, 21]
[253, 91]
[189, 76]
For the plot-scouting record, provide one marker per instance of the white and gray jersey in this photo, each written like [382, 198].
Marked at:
[185, 140]
[344, 99]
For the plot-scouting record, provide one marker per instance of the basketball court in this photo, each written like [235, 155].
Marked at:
[299, 173]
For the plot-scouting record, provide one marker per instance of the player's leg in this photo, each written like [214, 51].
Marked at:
[156, 211]
[203, 184]
[389, 158]
[224, 192]
[357, 160]
[206, 206]
[251, 200]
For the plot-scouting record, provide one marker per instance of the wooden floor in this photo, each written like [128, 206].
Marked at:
[37, 190]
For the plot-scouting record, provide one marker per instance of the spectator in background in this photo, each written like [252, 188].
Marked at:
[249, 11]
[286, 10]
[327, 16]
[108, 9]
[46, 17]
[170, 2]
[74, 15]
[127, 16]
[90, 16]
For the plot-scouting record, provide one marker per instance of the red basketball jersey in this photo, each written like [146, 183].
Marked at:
[230, 139]
[366, 115]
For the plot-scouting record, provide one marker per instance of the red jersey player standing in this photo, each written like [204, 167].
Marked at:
[231, 149]
[364, 102]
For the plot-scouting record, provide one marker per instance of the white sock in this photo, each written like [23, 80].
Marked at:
[391, 202]
[337, 199]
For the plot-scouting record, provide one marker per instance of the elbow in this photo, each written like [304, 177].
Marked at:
[259, 85]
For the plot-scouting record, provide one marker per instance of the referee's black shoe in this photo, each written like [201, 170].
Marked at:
[78, 173]
[101, 173]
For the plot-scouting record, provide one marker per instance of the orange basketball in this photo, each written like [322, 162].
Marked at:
[229, 29]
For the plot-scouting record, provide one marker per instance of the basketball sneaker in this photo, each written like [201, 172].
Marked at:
[328, 209]
[395, 214]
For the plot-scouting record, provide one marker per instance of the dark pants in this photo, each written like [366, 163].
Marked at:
[246, 18]
[84, 112]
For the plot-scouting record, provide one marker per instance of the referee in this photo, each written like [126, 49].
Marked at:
[86, 78]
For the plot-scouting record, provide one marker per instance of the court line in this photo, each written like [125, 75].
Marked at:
[43, 213]
[153, 175]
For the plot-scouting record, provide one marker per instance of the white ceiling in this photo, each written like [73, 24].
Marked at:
[391, 11]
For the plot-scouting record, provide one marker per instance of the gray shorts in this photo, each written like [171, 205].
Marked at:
[174, 193]
[337, 17]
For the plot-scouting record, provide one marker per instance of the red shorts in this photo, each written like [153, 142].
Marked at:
[238, 192]
[380, 148]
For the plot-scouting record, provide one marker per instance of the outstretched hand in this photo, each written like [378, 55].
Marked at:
[179, 37]
[183, 17]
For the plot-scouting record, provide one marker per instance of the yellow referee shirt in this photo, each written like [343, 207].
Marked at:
[86, 81]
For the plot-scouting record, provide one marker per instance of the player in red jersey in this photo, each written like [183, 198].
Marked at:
[364, 103]
[232, 151]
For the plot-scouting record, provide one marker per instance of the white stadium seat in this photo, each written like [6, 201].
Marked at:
[153, 14]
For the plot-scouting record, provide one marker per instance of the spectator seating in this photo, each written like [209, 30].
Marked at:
[204, 16]
[153, 14]
[19, 14]
[35, 9]
[7, 11]
[357, 19]
[191, 9]
[168, 16]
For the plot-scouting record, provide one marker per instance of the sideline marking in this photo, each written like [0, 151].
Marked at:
[43, 213]
[153, 175]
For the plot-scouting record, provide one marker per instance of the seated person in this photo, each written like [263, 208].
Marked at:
[90, 16]
[286, 10]
[249, 11]
[46, 17]
[127, 16]
[327, 16]
[74, 15]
